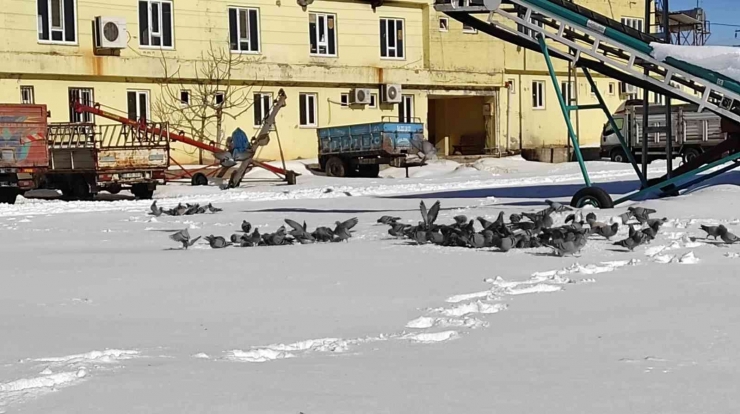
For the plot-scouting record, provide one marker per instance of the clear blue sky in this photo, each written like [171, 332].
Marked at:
[718, 11]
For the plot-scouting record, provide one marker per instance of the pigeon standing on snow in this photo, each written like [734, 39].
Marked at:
[607, 231]
[558, 207]
[641, 214]
[156, 211]
[726, 236]
[217, 242]
[183, 236]
[213, 209]
[388, 220]
[246, 226]
[300, 232]
[342, 229]
[713, 231]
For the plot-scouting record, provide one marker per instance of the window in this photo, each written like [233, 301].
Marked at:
[155, 23]
[218, 98]
[138, 105]
[512, 86]
[27, 95]
[244, 30]
[262, 105]
[323, 34]
[633, 22]
[657, 98]
[627, 89]
[612, 88]
[566, 88]
[373, 100]
[538, 95]
[344, 100]
[391, 38]
[406, 109]
[184, 97]
[307, 108]
[56, 21]
[85, 97]
[444, 24]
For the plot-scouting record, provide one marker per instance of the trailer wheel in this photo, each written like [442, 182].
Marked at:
[593, 196]
[336, 167]
[689, 154]
[8, 195]
[80, 188]
[114, 188]
[142, 191]
[199, 179]
[618, 155]
[369, 170]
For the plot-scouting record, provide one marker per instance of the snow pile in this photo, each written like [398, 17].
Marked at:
[721, 59]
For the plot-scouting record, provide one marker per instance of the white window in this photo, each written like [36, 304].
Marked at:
[184, 98]
[262, 106]
[633, 22]
[155, 24]
[612, 88]
[244, 30]
[344, 100]
[512, 86]
[307, 109]
[219, 98]
[85, 97]
[56, 21]
[27, 95]
[322, 33]
[657, 98]
[373, 100]
[138, 105]
[566, 88]
[538, 95]
[444, 24]
[392, 38]
[406, 109]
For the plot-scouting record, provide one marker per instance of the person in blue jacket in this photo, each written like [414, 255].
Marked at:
[239, 143]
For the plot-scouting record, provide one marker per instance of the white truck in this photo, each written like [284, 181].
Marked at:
[693, 132]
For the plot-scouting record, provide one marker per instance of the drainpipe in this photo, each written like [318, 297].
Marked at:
[508, 116]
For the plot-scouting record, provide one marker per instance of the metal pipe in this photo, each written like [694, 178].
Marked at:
[668, 111]
[645, 102]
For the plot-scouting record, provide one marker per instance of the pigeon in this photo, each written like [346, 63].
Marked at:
[179, 210]
[515, 218]
[477, 241]
[625, 217]
[213, 209]
[183, 237]
[217, 242]
[277, 238]
[342, 229]
[300, 232]
[192, 209]
[570, 247]
[507, 243]
[420, 237]
[463, 220]
[235, 239]
[323, 234]
[396, 230]
[633, 241]
[652, 231]
[558, 207]
[388, 220]
[436, 237]
[726, 236]
[607, 231]
[429, 216]
[641, 214]
[246, 226]
[713, 231]
[574, 217]
[661, 221]
[156, 211]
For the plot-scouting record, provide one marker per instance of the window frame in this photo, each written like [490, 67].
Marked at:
[612, 88]
[263, 110]
[86, 117]
[65, 42]
[315, 99]
[626, 20]
[30, 89]
[344, 100]
[238, 10]
[326, 43]
[568, 92]
[140, 92]
[446, 24]
[216, 94]
[161, 26]
[373, 100]
[541, 88]
[406, 112]
[395, 48]
[184, 104]
[512, 89]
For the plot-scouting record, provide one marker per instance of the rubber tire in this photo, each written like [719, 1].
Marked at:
[8, 196]
[689, 154]
[199, 179]
[80, 188]
[618, 155]
[114, 189]
[592, 195]
[142, 192]
[336, 167]
[369, 170]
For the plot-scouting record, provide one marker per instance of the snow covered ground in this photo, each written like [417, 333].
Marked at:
[100, 312]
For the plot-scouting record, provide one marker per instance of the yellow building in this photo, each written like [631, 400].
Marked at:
[454, 80]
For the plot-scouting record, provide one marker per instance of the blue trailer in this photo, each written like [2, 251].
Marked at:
[359, 150]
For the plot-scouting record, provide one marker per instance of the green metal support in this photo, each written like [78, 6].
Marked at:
[566, 111]
[613, 124]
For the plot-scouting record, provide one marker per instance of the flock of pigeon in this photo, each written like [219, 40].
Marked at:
[525, 230]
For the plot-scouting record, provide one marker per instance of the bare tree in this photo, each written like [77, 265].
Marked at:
[213, 94]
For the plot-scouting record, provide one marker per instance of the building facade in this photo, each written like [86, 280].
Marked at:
[456, 81]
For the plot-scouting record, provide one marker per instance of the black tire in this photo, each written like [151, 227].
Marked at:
[336, 167]
[114, 188]
[8, 195]
[369, 170]
[594, 196]
[618, 155]
[689, 154]
[199, 179]
[80, 188]
[142, 191]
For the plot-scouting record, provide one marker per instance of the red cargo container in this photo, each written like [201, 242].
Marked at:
[24, 151]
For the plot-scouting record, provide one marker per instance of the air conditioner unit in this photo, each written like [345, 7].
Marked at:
[110, 33]
[391, 93]
[359, 96]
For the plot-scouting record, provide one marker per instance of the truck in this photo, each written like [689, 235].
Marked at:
[693, 132]
[80, 159]
[360, 149]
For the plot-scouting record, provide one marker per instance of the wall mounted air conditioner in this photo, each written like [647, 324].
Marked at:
[110, 32]
[391, 93]
[359, 96]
